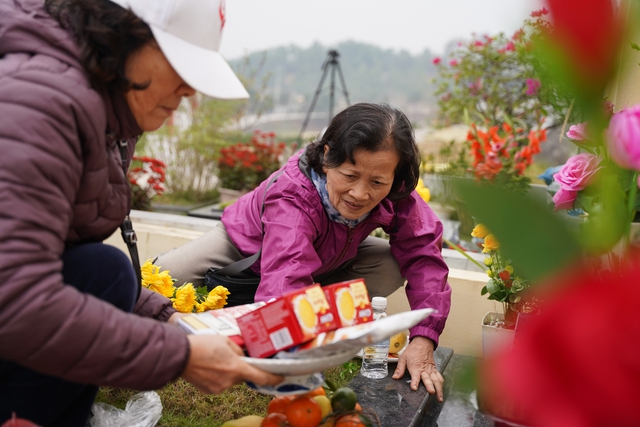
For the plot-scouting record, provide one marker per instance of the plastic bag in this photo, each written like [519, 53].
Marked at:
[142, 410]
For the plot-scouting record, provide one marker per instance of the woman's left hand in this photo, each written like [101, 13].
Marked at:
[419, 360]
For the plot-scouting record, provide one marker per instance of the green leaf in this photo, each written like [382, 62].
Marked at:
[492, 287]
[608, 219]
[202, 291]
[538, 241]
[330, 385]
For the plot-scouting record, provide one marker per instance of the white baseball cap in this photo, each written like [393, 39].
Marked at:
[189, 34]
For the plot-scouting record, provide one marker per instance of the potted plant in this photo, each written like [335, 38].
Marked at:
[243, 166]
[503, 286]
[147, 178]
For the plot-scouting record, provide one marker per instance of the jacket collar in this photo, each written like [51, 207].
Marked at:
[121, 124]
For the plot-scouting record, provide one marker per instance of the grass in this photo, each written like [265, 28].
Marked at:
[184, 406]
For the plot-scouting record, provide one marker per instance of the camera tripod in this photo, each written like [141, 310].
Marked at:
[331, 62]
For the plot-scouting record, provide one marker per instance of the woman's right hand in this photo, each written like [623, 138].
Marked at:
[214, 365]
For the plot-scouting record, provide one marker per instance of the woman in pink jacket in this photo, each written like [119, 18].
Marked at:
[79, 80]
[315, 220]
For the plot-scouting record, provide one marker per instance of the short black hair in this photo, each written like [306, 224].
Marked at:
[106, 34]
[372, 127]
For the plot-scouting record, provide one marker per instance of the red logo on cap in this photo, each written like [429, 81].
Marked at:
[222, 15]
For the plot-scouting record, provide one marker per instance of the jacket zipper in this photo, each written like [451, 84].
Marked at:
[344, 251]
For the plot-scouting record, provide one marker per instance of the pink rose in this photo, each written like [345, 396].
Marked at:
[578, 132]
[623, 138]
[576, 174]
[436, 60]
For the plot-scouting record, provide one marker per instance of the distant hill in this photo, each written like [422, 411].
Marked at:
[371, 74]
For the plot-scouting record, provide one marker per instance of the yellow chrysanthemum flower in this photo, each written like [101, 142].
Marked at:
[488, 261]
[490, 244]
[423, 191]
[185, 298]
[216, 299]
[480, 231]
[155, 280]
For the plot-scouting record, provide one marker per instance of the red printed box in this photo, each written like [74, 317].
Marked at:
[349, 302]
[290, 320]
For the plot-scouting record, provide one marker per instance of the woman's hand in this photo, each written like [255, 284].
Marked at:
[418, 359]
[174, 317]
[215, 365]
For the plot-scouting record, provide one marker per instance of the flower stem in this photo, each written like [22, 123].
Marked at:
[459, 249]
[631, 205]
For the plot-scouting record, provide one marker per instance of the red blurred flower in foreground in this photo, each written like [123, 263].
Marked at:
[18, 422]
[576, 363]
[589, 33]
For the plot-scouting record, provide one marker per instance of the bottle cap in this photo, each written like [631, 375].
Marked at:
[379, 303]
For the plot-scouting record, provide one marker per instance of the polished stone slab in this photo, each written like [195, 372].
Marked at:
[460, 405]
[393, 400]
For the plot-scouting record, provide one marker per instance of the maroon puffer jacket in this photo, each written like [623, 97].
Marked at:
[61, 181]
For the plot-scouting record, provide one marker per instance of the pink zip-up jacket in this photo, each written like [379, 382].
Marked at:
[300, 241]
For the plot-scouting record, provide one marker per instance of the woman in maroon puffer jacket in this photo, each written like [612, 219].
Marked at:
[76, 77]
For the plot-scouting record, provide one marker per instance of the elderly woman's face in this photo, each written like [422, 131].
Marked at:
[153, 105]
[355, 189]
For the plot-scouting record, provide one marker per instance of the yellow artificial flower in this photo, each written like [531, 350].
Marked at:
[509, 269]
[423, 191]
[480, 231]
[488, 261]
[490, 244]
[155, 280]
[185, 299]
[216, 299]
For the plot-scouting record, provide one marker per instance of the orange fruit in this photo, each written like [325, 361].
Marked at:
[352, 420]
[303, 411]
[317, 392]
[274, 419]
[344, 400]
[279, 404]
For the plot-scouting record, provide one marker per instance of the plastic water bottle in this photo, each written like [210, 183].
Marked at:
[374, 357]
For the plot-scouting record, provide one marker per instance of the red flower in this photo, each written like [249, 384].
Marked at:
[436, 60]
[538, 13]
[504, 275]
[589, 34]
[523, 383]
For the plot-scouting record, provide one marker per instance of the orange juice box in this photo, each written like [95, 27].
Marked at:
[289, 320]
[218, 322]
[349, 302]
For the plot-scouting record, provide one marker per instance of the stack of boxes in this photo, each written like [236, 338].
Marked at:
[292, 319]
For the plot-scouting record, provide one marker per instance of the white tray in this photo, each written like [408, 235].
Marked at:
[302, 366]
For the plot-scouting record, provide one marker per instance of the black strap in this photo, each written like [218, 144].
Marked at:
[239, 266]
[128, 234]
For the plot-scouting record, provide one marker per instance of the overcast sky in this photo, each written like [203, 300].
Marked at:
[412, 25]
